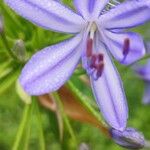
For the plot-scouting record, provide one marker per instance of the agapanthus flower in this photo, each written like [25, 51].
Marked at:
[144, 73]
[99, 31]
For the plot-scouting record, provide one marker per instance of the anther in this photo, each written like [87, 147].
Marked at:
[97, 65]
[100, 57]
[100, 69]
[126, 46]
[93, 61]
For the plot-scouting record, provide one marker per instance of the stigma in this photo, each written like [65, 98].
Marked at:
[95, 60]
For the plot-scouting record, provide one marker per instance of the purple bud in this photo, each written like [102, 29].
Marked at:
[147, 45]
[1, 24]
[146, 97]
[129, 138]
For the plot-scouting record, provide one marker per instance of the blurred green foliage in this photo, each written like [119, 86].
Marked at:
[41, 127]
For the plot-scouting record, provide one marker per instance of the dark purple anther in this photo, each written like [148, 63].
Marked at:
[100, 69]
[126, 46]
[89, 47]
[93, 61]
[100, 57]
[97, 63]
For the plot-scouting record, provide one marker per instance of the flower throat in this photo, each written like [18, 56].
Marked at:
[95, 60]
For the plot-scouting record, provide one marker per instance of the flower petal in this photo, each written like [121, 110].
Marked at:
[90, 8]
[146, 97]
[49, 69]
[129, 14]
[125, 54]
[109, 93]
[48, 14]
[147, 45]
[143, 70]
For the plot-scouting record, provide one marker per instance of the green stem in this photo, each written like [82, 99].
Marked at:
[59, 113]
[22, 126]
[5, 42]
[26, 141]
[65, 118]
[11, 16]
[40, 127]
[67, 122]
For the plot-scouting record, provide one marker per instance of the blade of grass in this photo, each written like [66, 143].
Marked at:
[65, 118]
[40, 127]
[22, 127]
[8, 80]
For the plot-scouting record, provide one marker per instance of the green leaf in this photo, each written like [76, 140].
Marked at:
[39, 125]
[8, 80]
[22, 127]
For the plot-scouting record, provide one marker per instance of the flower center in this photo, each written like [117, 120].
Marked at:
[95, 60]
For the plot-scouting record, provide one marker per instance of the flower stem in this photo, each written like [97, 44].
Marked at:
[59, 114]
[5, 42]
[22, 126]
[26, 141]
[67, 122]
[65, 118]
[39, 124]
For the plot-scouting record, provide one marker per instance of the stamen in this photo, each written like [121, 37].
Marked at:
[100, 69]
[100, 57]
[126, 46]
[93, 30]
[97, 65]
[89, 47]
[93, 61]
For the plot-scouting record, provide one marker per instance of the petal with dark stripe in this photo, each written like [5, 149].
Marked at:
[126, 47]
[90, 9]
[110, 96]
[128, 14]
[51, 67]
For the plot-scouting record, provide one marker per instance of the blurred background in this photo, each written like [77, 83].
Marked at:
[73, 120]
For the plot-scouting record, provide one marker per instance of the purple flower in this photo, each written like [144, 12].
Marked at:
[1, 24]
[130, 138]
[144, 73]
[98, 31]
